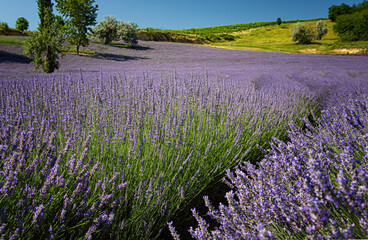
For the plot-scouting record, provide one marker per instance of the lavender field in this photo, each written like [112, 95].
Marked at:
[113, 145]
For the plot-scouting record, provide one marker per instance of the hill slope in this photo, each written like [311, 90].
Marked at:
[278, 39]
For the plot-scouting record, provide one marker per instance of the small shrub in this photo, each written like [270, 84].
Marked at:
[321, 28]
[227, 37]
[302, 34]
[22, 24]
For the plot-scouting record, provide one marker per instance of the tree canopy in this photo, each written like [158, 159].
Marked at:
[22, 24]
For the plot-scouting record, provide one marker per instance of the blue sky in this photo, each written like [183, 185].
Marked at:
[176, 14]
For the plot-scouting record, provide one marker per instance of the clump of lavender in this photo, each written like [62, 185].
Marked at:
[115, 156]
[315, 186]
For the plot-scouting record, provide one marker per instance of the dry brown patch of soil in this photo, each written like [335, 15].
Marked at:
[349, 50]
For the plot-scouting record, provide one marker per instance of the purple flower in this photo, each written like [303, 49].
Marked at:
[38, 214]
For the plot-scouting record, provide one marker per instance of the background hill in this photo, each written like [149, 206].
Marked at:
[259, 36]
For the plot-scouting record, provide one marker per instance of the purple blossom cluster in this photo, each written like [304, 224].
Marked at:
[315, 186]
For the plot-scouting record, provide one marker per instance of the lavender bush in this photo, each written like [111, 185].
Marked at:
[315, 186]
[98, 149]
[117, 156]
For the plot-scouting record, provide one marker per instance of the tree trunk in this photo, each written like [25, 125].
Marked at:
[78, 49]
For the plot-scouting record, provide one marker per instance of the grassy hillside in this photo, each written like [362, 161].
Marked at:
[278, 39]
[14, 32]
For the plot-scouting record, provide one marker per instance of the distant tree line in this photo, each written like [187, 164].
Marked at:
[351, 22]
[21, 24]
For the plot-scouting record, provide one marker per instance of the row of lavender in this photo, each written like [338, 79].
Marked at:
[116, 156]
[313, 187]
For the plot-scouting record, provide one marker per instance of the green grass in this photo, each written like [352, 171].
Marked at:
[122, 45]
[10, 40]
[278, 39]
[114, 44]
[73, 49]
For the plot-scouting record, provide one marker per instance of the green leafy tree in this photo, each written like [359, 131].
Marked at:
[278, 21]
[352, 27]
[111, 29]
[361, 25]
[134, 25]
[127, 33]
[106, 30]
[79, 16]
[22, 24]
[4, 26]
[321, 28]
[302, 34]
[335, 11]
[44, 46]
[45, 14]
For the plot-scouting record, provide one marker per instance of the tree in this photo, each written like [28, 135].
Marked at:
[352, 27]
[21, 24]
[45, 45]
[335, 11]
[106, 30]
[4, 26]
[45, 14]
[79, 16]
[111, 29]
[321, 28]
[279, 21]
[127, 33]
[301, 33]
